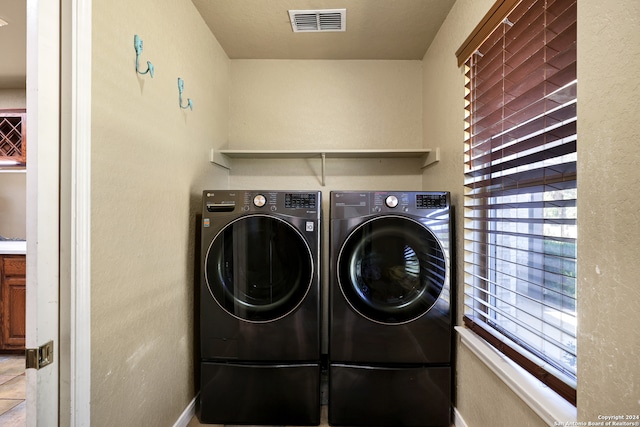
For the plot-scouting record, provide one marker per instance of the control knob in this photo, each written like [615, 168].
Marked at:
[259, 200]
[391, 201]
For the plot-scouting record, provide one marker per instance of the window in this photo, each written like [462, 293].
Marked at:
[520, 180]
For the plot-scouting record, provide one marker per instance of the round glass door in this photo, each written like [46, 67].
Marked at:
[391, 269]
[259, 268]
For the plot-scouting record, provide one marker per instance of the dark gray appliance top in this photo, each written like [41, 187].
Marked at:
[349, 204]
[304, 204]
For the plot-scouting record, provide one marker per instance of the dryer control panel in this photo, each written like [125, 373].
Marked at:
[351, 204]
[431, 201]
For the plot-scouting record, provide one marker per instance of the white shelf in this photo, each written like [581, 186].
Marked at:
[224, 157]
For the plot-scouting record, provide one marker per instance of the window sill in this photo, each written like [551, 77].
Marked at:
[547, 404]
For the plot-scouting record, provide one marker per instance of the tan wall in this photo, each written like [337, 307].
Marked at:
[150, 164]
[608, 55]
[13, 98]
[13, 205]
[608, 209]
[326, 104]
[482, 398]
[13, 186]
[329, 104]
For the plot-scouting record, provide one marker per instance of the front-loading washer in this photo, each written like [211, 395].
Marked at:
[260, 307]
[390, 337]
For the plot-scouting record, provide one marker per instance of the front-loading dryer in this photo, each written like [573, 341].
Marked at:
[260, 307]
[390, 336]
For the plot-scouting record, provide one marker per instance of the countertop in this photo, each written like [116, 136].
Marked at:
[13, 247]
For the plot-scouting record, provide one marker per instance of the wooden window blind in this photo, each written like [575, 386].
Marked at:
[520, 197]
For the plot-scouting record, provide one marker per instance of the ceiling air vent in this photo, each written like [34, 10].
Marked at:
[318, 20]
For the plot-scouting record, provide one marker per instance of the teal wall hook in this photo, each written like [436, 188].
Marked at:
[180, 90]
[137, 45]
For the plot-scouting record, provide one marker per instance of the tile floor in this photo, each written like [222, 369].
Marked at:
[12, 391]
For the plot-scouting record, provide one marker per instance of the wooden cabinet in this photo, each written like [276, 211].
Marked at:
[12, 302]
[13, 136]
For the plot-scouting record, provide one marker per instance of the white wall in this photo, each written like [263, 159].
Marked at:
[150, 162]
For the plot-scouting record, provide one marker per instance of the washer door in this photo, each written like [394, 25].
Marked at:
[259, 268]
[391, 269]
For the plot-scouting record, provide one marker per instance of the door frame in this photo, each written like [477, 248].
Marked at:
[58, 209]
[76, 200]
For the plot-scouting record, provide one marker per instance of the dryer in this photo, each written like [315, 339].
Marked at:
[390, 337]
[260, 307]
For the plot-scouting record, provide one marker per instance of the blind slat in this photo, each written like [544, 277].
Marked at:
[520, 181]
[505, 305]
[565, 284]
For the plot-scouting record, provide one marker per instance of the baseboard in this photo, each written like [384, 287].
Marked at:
[457, 419]
[188, 414]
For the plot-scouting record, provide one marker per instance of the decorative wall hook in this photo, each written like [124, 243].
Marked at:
[137, 45]
[180, 89]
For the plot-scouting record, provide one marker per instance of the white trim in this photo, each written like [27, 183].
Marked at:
[188, 413]
[80, 352]
[458, 421]
[547, 404]
[43, 207]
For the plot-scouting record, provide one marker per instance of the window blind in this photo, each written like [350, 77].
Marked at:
[520, 198]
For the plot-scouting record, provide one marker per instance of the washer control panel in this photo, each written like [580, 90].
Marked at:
[300, 200]
[303, 204]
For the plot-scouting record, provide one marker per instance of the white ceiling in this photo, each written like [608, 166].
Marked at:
[260, 29]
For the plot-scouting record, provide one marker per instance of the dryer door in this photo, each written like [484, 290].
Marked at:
[259, 268]
[391, 269]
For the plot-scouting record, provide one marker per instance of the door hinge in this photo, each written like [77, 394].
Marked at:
[40, 357]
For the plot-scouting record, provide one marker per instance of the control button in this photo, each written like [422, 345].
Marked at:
[259, 200]
[376, 209]
[391, 201]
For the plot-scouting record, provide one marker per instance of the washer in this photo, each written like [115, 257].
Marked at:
[260, 307]
[390, 336]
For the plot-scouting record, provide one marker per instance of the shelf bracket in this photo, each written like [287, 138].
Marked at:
[431, 158]
[324, 158]
[220, 159]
